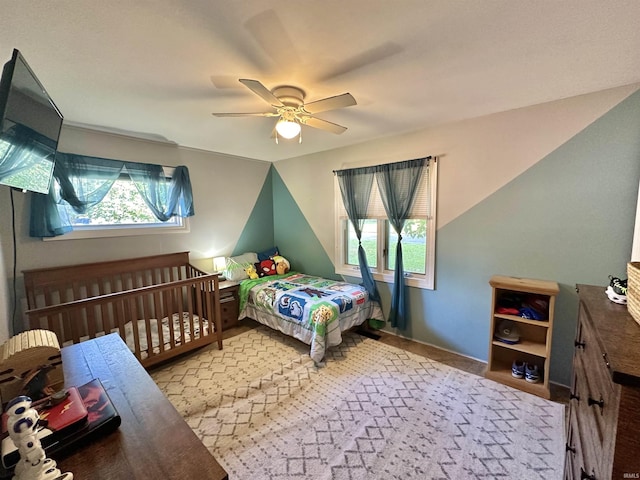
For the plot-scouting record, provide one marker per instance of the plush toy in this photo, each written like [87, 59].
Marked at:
[282, 264]
[251, 271]
[266, 268]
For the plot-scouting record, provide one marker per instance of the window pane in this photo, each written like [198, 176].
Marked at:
[414, 246]
[369, 243]
[123, 205]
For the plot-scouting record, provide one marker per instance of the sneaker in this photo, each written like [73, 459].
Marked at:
[617, 290]
[531, 373]
[517, 369]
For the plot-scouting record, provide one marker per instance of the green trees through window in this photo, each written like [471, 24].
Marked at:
[414, 244]
[123, 205]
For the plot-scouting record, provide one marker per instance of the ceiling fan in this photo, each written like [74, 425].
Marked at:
[289, 106]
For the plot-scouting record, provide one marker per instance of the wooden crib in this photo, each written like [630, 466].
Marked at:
[161, 305]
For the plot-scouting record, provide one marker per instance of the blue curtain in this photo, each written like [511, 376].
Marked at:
[165, 199]
[355, 187]
[83, 182]
[398, 184]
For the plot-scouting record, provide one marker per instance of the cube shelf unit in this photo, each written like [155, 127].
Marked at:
[535, 335]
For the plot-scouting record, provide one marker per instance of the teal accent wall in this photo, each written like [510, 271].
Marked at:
[569, 218]
[277, 220]
[294, 237]
[257, 234]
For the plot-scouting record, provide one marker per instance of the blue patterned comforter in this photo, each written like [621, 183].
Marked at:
[312, 309]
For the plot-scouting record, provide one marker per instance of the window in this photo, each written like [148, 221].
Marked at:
[122, 212]
[379, 239]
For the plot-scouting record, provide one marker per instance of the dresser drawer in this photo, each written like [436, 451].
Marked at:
[573, 460]
[607, 380]
[597, 436]
[602, 397]
[597, 407]
[582, 452]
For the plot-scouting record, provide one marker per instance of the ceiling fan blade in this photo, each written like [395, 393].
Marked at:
[260, 114]
[259, 89]
[330, 103]
[323, 125]
[362, 60]
[225, 81]
[271, 34]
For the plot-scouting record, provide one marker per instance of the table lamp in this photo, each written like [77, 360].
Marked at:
[219, 266]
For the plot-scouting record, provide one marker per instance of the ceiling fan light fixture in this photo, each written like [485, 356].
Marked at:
[288, 102]
[287, 128]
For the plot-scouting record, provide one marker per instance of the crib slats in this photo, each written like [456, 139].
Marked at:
[85, 301]
[134, 324]
[107, 318]
[158, 313]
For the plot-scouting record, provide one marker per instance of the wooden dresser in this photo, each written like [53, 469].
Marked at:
[603, 433]
[153, 441]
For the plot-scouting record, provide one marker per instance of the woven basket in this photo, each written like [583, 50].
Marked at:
[633, 290]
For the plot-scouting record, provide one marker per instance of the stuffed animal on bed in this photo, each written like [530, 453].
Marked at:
[251, 271]
[266, 268]
[282, 264]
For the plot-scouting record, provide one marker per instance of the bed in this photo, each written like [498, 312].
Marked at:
[312, 309]
[161, 306]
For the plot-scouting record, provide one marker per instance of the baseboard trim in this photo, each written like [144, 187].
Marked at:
[435, 346]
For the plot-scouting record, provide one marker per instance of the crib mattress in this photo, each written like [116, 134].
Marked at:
[201, 327]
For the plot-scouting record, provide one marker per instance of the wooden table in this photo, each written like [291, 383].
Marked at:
[153, 441]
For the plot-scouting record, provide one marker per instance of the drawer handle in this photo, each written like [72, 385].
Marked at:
[585, 476]
[593, 402]
[569, 448]
[606, 360]
[573, 396]
[579, 344]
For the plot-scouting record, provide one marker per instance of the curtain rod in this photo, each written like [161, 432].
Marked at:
[430, 157]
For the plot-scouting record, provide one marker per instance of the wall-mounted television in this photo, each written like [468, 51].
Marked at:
[30, 126]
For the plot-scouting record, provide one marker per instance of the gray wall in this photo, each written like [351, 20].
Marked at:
[222, 205]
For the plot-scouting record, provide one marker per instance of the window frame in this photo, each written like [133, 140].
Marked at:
[381, 273]
[126, 230]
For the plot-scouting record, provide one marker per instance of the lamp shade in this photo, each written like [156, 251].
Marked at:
[219, 264]
[287, 129]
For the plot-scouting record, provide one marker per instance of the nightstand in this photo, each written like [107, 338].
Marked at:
[229, 304]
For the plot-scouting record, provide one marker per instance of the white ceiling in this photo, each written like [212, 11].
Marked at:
[158, 68]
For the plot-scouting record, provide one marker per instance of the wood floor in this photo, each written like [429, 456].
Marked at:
[558, 393]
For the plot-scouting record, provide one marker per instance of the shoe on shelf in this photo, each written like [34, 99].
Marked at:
[517, 369]
[617, 290]
[531, 373]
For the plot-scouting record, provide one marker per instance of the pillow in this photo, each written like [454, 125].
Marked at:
[235, 269]
[267, 254]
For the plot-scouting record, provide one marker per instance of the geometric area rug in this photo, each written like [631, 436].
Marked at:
[265, 411]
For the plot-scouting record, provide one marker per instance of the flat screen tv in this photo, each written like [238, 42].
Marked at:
[29, 129]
